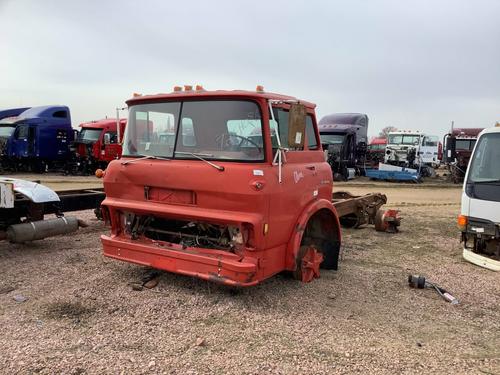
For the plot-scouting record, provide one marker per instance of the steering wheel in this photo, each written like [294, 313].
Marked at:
[243, 139]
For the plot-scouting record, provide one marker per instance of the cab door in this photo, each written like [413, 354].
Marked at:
[301, 178]
[112, 149]
[20, 143]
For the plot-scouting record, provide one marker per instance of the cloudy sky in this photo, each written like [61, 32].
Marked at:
[410, 64]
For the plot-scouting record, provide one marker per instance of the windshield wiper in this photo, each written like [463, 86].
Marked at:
[143, 157]
[199, 156]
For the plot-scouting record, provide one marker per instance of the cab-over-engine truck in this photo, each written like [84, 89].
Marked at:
[241, 193]
[479, 220]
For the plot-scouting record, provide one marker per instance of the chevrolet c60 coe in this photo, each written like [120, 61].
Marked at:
[227, 186]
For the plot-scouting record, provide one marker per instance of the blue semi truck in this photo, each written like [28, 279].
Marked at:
[36, 139]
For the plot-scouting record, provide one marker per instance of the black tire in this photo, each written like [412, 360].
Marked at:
[330, 251]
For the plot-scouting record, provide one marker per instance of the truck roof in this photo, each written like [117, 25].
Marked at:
[12, 112]
[243, 94]
[467, 132]
[495, 129]
[359, 119]
[378, 141]
[103, 123]
[45, 115]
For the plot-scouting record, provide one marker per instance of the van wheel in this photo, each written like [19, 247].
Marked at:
[308, 261]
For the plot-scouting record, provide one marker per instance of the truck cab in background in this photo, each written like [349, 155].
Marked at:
[375, 152]
[344, 137]
[479, 220]
[37, 139]
[458, 146]
[98, 143]
[412, 149]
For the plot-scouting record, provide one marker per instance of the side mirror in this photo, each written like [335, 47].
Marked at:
[296, 125]
[107, 138]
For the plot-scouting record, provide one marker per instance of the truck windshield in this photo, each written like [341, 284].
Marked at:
[484, 166]
[6, 130]
[212, 129]
[332, 139]
[89, 135]
[465, 144]
[403, 139]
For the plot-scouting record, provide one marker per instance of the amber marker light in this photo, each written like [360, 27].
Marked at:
[462, 222]
[177, 88]
[266, 228]
[259, 88]
[199, 88]
[99, 173]
[188, 87]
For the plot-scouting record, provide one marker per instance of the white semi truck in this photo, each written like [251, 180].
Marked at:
[408, 148]
[479, 219]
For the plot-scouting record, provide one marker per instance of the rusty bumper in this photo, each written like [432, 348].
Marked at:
[213, 265]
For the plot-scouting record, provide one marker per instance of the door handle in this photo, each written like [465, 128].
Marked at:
[311, 167]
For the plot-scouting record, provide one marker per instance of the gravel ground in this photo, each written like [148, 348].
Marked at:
[82, 316]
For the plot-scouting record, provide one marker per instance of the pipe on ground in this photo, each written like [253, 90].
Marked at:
[37, 230]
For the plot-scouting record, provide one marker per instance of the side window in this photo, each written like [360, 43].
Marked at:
[187, 129]
[113, 138]
[22, 132]
[281, 116]
[60, 114]
[312, 142]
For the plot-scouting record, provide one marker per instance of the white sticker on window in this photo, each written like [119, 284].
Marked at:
[298, 137]
[258, 172]
[147, 146]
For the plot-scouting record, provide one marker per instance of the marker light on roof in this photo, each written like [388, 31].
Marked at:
[177, 88]
[188, 87]
[259, 88]
[199, 88]
[136, 94]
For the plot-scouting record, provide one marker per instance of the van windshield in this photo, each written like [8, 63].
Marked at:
[212, 129]
[6, 130]
[484, 167]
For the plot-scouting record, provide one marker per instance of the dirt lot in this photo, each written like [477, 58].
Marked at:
[82, 316]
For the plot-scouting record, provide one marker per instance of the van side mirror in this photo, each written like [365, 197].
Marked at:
[107, 138]
[296, 125]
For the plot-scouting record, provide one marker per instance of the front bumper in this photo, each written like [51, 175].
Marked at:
[208, 264]
[481, 260]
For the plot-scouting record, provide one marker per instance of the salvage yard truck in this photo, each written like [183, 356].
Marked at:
[98, 143]
[479, 220]
[238, 192]
[413, 149]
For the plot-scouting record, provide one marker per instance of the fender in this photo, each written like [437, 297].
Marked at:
[300, 226]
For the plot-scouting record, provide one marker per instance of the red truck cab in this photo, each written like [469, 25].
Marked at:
[227, 186]
[98, 143]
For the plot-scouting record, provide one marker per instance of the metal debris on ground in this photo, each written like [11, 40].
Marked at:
[419, 282]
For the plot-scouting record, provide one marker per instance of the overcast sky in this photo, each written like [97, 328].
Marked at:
[410, 64]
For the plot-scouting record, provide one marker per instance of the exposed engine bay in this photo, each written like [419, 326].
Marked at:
[185, 233]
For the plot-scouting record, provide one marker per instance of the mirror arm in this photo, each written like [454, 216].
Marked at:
[280, 156]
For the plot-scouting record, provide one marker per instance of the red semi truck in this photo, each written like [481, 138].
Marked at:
[98, 143]
[227, 186]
